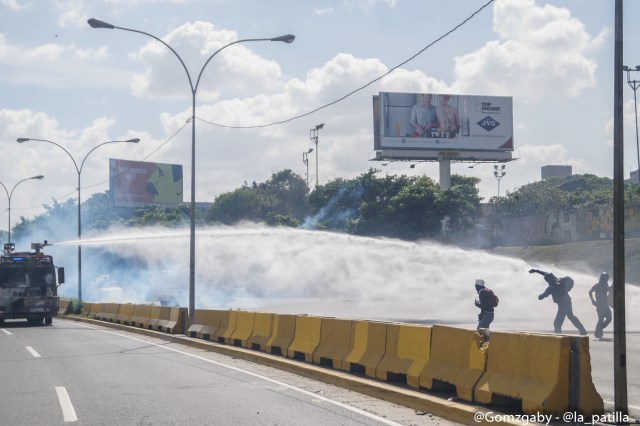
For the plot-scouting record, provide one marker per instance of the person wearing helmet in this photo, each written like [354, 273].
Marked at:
[601, 290]
[483, 301]
[558, 289]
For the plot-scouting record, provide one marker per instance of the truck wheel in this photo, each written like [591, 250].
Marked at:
[48, 320]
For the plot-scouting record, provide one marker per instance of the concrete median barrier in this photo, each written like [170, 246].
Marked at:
[199, 321]
[335, 341]
[306, 339]
[211, 324]
[457, 359]
[126, 311]
[161, 322]
[108, 312]
[284, 331]
[368, 340]
[406, 353]
[242, 330]
[537, 371]
[227, 326]
[63, 306]
[156, 314]
[178, 322]
[262, 331]
[140, 315]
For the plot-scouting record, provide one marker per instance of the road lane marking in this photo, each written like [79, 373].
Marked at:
[6, 331]
[268, 379]
[68, 413]
[33, 352]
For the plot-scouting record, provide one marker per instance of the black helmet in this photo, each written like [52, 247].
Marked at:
[604, 277]
[479, 284]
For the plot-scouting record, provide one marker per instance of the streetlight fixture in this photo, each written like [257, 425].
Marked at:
[287, 38]
[313, 135]
[10, 194]
[499, 172]
[634, 84]
[79, 171]
[305, 160]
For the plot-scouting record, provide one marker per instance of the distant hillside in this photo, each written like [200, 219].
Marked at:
[588, 256]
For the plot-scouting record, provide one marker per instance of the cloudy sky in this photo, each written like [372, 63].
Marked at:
[63, 81]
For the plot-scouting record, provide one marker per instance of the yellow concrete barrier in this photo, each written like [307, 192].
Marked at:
[63, 305]
[212, 322]
[262, 330]
[306, 339]
[368, 341]
[125, 313]
[532, 368]
[242, 330]
[86, 308]
[140, 315]
[335, 339]
[198, 324]
[456, 359]
[406, 353]
[163, 317]
[108, 312]
[284, 331]
[227, 325]
[155, 315]
[178, 321]
[589, 400]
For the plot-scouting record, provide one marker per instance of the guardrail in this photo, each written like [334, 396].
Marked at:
[542, 373]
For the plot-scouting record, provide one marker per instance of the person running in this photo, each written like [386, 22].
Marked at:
[558, 289]
[484, 301]
[601, 302]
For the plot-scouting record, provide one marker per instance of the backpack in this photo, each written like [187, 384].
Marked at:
[492, 298]
[567, 282]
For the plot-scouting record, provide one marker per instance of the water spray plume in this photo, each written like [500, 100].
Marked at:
[284, 270]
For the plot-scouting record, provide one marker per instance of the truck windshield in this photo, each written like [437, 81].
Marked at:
[24, 276]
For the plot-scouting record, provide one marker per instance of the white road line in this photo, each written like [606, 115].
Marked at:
[277, 382]
[68, 413]
[33, 352]
[6, 331]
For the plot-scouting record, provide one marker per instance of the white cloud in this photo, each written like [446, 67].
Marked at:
[543, 46]
[323, 11]
[15, 5]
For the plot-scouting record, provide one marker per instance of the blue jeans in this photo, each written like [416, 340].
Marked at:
[485, 319]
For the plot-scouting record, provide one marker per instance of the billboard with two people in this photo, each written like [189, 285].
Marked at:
[442, 121]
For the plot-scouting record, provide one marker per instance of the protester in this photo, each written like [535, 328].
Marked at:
[559, 291]
[601, 290]
[486, 301]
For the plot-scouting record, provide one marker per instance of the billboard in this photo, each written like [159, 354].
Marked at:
[443, 122]
[137, 183]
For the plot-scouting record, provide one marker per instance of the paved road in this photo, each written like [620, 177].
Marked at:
[74, 372]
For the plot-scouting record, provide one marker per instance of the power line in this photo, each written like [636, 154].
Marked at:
[451, 31]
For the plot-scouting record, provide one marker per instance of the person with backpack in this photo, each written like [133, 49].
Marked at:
[559, 289]
[601, 302]
[486, 301]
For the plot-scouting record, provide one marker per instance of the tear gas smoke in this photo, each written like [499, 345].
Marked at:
[284, 270]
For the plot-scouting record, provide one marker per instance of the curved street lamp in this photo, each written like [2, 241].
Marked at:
[634, 84]
[499, 172]
[288, 38]
[10, 194]
[79, 171]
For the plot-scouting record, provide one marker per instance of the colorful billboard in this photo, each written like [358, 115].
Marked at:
[442, 122]
[137, 183]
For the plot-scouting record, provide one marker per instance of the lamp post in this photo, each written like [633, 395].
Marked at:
[634, 84]
[313, 135]
[499, 172]
[305, 160]
[10, 194]
[288, 38]
[79, 171]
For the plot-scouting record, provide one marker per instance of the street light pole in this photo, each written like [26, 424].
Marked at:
[10, 194]
[305, 160]
[288, 38]
[634, 84]
[79, 171]
[499, 172]
[313, 135]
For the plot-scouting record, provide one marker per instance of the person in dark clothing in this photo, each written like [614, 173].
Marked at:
[601, 302]
[485, 317]
[557, 289]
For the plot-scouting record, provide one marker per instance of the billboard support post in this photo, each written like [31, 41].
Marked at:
[445, 174]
